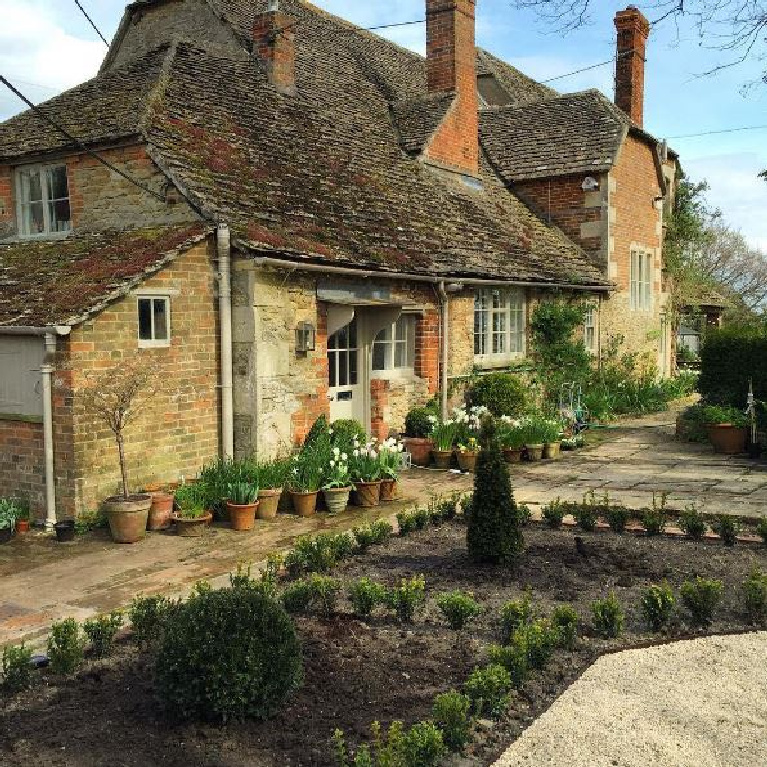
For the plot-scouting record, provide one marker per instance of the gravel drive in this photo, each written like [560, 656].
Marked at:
[697, 703]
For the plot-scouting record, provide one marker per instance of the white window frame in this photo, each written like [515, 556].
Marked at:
[641, 280]
[512, 314]
[40, 169]
[408, 321]
[153, 343]
[591, 328]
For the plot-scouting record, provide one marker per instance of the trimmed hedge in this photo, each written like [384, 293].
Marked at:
[500, 393]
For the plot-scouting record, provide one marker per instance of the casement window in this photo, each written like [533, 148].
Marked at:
[394, 347]
[500, 325]
[590, 330]
[43, 200]
[641, 280]
[343, 356]
[153, 321]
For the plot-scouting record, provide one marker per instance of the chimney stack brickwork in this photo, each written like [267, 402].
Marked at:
[274, 42]
[451, 68]
[633, 31]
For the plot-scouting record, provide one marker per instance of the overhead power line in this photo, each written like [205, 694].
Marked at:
[722, 130]
[398, 24]
[91, 22]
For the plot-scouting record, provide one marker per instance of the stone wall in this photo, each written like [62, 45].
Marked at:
[22, 462]
[178, 431]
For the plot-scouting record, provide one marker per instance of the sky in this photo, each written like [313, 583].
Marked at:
[47, 46]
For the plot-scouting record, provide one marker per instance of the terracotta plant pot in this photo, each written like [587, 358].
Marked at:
[305, 504]
[242, 518]
[268, 502]
[442, 459]
[389, 490]
[192, 528]
[467, 461]
[512, 454]
[367, 494]
[727, 439]
[128, 518]
[22, 526]
[161, 511]
[65, 530]
[534, 452]
[419, 449]
[337, 499]
[552, 450]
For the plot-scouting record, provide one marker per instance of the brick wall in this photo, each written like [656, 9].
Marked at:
[178, 431]
[275, 45]
[22, 462]
[633, 30]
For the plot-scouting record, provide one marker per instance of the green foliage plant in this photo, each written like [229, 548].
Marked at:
[700, 598]
[407, 598]
[101, 632]
[513, 657]
[718, 415]
[586, 515]
[381, 530]
[452, 714]
[421, 518]
[211, 491]
[541, 639]
[500, 393]
[692, 523]
[458, 608]
[727, 528]
[607, 616]
[365, 595]
[324, 593]
[654, 520]
[554, 513]
[565, 621]
[418, 422]
[617, 517]
[657, 605]
[297, 597]
[273, 474]
[761, 529]
[424, 746]
[755, 597]
[243, 493]
[66, 646]
[406, 522]
[228, 654]
[344, 432]
[17, 668]
[488, 689]
[494, 532]
[514, 615]
[147, 616]
[193, 498]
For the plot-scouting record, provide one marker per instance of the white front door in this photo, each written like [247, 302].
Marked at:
[346, 390]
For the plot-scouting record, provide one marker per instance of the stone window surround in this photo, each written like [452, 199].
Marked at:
[47, 234]
[641, 278]
[497, 360]
[154, 343]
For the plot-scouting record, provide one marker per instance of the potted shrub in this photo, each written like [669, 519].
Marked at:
[117, 397]
[337, 485]
[552, 438]
[467, 455]
[443, 433]
[418, 443]
[271, 479]
[390, 457]
[727, 430]
[8, 512]
[512, 438]
[22, 513]
[366, 473]
[305, 482]
[191, 518]
[535, 433]
[241, 504]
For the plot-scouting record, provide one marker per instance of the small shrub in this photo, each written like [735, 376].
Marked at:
[319, 553]
[65, 646]
[700, 597]
[423, 745]
[17, 668]
[147, 616]
[727, 528]
[755, 596]
[458, 608]
[101, 632]
[692, 524]
[654, 520]
[365, 595]
[391, 749]
[565, 620]
[513, 657]
[617, 517]
[418, 422]
[500, 393]
[381, 530]
[297, 597]
[452, 714]
[554, 512]
[364, 536]
[421, 518]
[344, 431]
[514, 615]
[607, 615]
[586, 516]
[324, 593]
[657, 606]
[406, 523]
[541, 639]
[407, 598]
[488, 689]
[761, 529]
[251, 678]
[525, 514]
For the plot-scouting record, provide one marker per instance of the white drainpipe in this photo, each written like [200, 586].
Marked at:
[223, 239]
[47, 371]
[444, 304]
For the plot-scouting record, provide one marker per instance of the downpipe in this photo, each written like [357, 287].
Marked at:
[445, 346]
[224, 246]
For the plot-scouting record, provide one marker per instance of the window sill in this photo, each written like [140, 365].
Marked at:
[395, 374]
[154, 344]
[492, 362]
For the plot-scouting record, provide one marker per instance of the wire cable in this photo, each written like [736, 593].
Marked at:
[398, 24]
[91, 22]
[722, 130]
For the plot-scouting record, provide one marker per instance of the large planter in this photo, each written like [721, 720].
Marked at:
[242, 518]
[512, 454]
[160, 512]
[534, 452]
[305, 504]
[388, 490]
[188, 527]
[367, 494]
[727, 439]
[419, 449]
[128, 518]
[552, 450]
[467, 461]
[442, 459]
[65, 530]
[268, 502]
[337, 499]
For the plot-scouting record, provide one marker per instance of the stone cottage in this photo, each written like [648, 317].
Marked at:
[286, 215]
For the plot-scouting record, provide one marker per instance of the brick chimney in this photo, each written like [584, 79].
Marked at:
[451, 68]
[274, 42]
[633, 30]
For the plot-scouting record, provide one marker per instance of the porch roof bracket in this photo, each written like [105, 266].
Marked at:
[338, 316]
[380, 318]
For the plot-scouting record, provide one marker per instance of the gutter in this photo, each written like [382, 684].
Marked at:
[224, 247]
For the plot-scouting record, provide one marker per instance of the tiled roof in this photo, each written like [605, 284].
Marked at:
[520, 88]
[417, 119]
[64, 282]
[574, 133]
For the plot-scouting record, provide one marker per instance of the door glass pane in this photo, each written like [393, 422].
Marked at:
[379, 356]
[342, 338]
[161, 319]
[353, 368]
[332, 368]
[400, 354]
[353, 334]
[145, 319]
[401, 328]
[343, 369]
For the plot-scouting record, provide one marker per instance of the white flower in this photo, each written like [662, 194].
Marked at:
[356, 453]
[432, 418]
[336, 452]
[400, 448]
[332, 464]
[330, 431]
[373, 454]
[344, 457]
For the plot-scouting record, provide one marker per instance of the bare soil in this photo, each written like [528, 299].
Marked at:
[356, 673]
